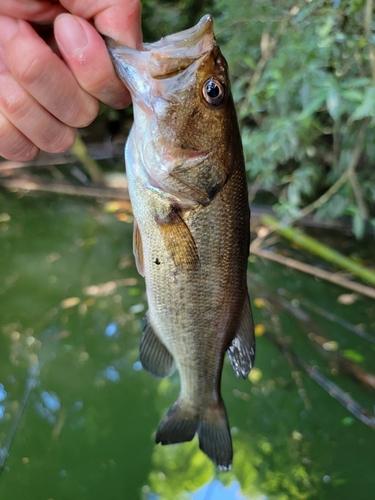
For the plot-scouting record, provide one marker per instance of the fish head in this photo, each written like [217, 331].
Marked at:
[183, 110]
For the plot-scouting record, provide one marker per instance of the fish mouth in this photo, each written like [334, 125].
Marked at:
[165, 58]
[191, 42]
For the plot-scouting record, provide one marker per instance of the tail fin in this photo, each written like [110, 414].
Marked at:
[182, 422]
[214, 437]
[179, 425]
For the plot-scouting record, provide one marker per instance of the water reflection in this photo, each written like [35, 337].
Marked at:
[215, 490]
[111, 330]
[48, 406]
[75, 402]
[3, 393]
[111, 374]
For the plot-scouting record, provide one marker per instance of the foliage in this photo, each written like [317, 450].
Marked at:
[304, 76]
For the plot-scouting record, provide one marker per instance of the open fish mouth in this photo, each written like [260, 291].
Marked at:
[162, 59]
[190, 44]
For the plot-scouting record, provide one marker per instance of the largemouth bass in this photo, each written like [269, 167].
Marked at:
[187, 185]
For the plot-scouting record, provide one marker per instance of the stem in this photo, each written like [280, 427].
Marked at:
[330, 387]
[79, 150]
[31, 183]
[367, 25]
[317, 248]
[358, 194]
[335, 278]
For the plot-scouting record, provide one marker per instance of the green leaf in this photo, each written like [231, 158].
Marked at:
[347, 421]
[313, 105]
[293, 194]
[367, 107]
[353, 355]
[336, 205]
[333, 104]
[352, 95]
[358, 225]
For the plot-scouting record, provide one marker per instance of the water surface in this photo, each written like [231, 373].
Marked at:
[78, 413]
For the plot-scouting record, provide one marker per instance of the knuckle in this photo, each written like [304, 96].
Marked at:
[60, 141]
[14, 104]
[82, 116]
[28, 72]
[14, 145]
[28, 152]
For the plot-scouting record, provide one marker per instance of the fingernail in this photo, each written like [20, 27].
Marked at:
[70, 34]
[8, 28]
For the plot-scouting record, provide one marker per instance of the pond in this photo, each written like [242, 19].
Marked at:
[78, 413]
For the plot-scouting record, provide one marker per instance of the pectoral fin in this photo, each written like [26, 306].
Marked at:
[155, 357]
[242, 349]
[138, 249]
[179, 241]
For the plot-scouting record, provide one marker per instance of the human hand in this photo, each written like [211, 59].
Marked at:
[44, 97]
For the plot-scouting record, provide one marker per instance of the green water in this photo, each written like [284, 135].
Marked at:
[78, 414]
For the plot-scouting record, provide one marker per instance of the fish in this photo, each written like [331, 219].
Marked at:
[187, 185]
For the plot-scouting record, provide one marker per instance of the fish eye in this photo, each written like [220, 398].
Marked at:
[213, 91]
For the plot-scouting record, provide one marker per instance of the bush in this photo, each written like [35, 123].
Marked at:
[303, 81]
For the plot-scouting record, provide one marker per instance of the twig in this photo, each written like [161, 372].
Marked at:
[368, 13]
[253, 188]
[358, 194]
[314, 246]
[316, 271]
[275, 319]
[79, 150]
[339, 321]
[98, 151]
[30, 384]
[319, 339]
[330, 387]
[31, 184]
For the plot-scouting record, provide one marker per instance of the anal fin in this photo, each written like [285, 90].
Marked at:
[154, 356]
[179, 425]
[242, 349]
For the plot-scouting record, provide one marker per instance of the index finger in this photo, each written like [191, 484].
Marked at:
[118, 19]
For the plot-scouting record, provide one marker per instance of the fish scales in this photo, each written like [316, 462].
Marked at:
[174, 308]
[188, 190]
